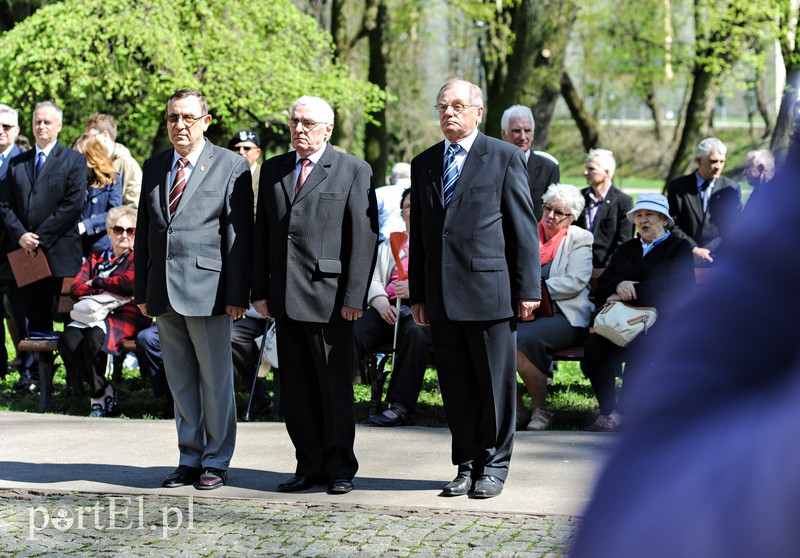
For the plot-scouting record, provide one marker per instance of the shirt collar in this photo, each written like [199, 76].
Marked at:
[193, 157]
[465, 143]
[314, 157]
[47, 149]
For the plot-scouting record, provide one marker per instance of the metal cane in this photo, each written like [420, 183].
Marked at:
[246, 417]
[396, 328]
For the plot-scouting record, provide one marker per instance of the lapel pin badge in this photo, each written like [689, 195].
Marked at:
[203, 168]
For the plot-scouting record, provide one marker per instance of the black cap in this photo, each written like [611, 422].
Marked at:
[244, 135]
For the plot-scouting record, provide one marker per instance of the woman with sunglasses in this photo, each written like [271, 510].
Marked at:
[86, 346]
[566, 257]
[104, 191]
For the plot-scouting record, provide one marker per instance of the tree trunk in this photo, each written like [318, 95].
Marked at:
[543, 114]
[782, 132]
[655, 110]
[698, 114]
[761, 103]
[375, 140]
[590, 132]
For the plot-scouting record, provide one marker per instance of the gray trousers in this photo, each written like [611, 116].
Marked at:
[199, 370]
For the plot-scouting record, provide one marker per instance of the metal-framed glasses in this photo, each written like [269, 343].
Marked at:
[308, 125]
[188, 120]
[546, 209]
[458, 108]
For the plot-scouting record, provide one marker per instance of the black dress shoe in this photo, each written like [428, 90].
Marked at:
[340, 486]
[183, 476]
[296, 483]
[459, 486]
[400, 418]
[211, 478]
[487, 487]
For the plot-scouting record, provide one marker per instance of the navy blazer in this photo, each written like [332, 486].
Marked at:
[686, 208]
[49, 205]
[542, 172]
[475, 258]
[95, 210]
[611, 227]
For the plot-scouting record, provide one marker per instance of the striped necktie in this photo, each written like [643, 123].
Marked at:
[177, 186]
[39, 163]
[451, 172]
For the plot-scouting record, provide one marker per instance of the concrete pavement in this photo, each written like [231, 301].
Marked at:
[46, 460]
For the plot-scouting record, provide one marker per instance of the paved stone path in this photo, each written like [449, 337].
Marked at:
[44, 523]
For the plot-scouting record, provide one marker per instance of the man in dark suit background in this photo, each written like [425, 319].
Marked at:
[315, 241]
[518, 127]
[192, 263]
[705, 204]
[43, 194]
[9, 130]
[474, 266]
[606, 211]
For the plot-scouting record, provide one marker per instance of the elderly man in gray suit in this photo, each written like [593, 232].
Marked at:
[192, 266]
[315, 244]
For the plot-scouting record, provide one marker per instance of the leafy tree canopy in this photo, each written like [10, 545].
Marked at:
[250, 59]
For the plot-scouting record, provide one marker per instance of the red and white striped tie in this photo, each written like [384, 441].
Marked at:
[177, 186]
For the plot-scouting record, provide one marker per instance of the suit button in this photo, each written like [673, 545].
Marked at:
[291, 236]
[169, 257]
[446, 234]
[169, 230]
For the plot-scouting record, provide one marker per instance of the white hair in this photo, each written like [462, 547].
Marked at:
[14, 114]
[605, 158]
[517, 111]
[320, 108]
[399, 171]
[706, 146]
[570, 196]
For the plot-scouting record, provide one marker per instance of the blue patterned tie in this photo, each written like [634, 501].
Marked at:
[39, 163]
[450, 173]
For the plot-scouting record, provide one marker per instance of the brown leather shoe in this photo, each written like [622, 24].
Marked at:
[211, 478]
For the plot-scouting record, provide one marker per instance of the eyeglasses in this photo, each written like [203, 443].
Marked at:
[308, 125]
[458, 108]
[244, 147]
[559, 214]
[188, 120]
[119, 230]
[7, 127]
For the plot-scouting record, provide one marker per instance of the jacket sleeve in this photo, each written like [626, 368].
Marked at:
[360, 234]
[238, 236]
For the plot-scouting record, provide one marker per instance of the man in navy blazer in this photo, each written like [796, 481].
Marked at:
[705, 204]
[9, 130]
[474, 266]
[315, 243]
[41, 205]
[606, 211]
[517, 127]
[193, 251]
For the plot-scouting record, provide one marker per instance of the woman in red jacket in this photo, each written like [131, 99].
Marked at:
[85, 346]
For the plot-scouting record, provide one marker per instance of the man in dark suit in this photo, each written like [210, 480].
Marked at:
[606, 210]
[315, 241]
[518, 128]
[43, 194]
[192, 261]
[9, 130]
[474, 266]
[705, 204]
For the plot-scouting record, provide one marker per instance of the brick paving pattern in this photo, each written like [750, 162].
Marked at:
[36, 523]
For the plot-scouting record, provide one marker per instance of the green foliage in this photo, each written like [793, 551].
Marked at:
[127, 58]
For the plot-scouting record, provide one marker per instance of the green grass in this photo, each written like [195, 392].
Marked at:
[571, 398]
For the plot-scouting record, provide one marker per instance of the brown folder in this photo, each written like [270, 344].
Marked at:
[545, 309]
[28, 269]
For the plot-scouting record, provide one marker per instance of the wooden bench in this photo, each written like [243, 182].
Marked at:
[376, 373]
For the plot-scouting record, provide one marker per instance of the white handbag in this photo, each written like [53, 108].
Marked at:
[621, 323]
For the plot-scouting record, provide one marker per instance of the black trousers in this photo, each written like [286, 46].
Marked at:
[317, 396]
[477, 366]
[413, 347]
[81, 348]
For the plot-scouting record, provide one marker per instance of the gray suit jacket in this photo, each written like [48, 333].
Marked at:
[198, 260]
[472, 260]
[314, 254]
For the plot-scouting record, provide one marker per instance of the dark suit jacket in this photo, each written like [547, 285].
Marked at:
[686, 209]
[198, 260]
[472, 260]
[6, 244]
[542, 172]
[49, 206]
[315, 254]
[611, 227]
